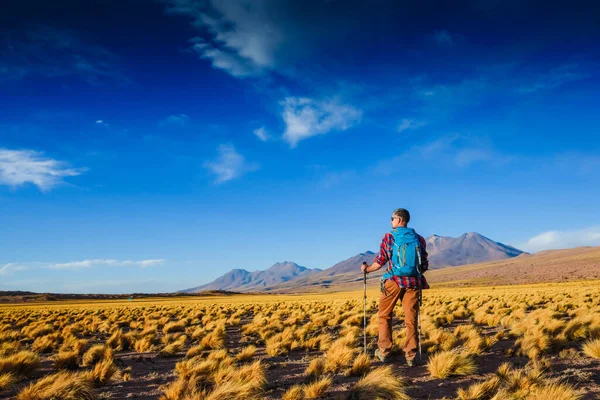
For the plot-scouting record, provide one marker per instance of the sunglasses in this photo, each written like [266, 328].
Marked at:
[393, 218]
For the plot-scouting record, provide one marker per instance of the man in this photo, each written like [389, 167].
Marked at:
[405, 252]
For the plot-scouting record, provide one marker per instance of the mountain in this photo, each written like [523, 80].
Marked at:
[241, 280]
[444, 251]
[469, 248]
[566, 265]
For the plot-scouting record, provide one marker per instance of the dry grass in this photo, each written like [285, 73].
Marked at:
[171, 350]
[449, 363]
[482, 390]
[360, 366]
[381, 383]
[339, 356]
[592, 348]
[317, 389]
[65, 360]
[63, 386]
[102, 372]
[246, 354]
[295, 392]
[22, 363]
[7, 380]
[554, 391]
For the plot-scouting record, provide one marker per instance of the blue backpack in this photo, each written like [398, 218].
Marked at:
[406, 255]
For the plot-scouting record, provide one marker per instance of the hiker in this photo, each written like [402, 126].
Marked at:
[401, 281]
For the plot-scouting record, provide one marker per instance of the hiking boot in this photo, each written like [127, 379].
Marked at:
[412, 362]
[380, 356]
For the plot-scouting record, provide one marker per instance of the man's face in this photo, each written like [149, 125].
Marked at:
[396, 221]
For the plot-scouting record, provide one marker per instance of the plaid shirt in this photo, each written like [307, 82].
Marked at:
[385, 256]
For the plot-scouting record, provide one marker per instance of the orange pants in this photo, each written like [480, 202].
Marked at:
[410, 303]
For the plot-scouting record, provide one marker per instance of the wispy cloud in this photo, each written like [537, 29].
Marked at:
[555, 78]
[176, 120]
[443, 37]
[452, 150]
[109, 263]
[262, 134]
[18, 167]
[9, 269]
[229, 164]
[305, 117]
[407, 124]
[563, 239]
[244, 37]
[50, 52]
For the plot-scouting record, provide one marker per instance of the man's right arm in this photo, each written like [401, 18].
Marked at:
[381, 258]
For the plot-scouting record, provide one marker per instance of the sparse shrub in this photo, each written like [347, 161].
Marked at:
[317, 389]
[63, 386]
[246, 354]
[95, 354]
[102, 372]
[294, 393]
[7, 380]
[22, 363]
[447, 363]
[65, 360]
[481, 390]
[381, 383]
[592, 348]
[360, 366]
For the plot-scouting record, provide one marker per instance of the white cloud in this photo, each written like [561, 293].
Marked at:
[9, 269]
[18, 167]
[229, 165]
[262, 134]
[244, 36]
[306, 117]
[407, 124]
[178, 120]
[563, 239]
[107, 263]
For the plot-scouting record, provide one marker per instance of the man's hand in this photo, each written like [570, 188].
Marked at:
[364, 267]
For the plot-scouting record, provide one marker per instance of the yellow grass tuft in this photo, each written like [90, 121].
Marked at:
[172, 349]
[381, 383]
[361, 365]
[63, 386]
[447, 363]
[22, 363]
[315, 368]
[482, 390]
[65, 360]
[294, 393]
[246, 354]
[7, 380]
[317, 389]
[339, 356]
[592, 348]
[102, 372]
[95, 354]
[554, 391]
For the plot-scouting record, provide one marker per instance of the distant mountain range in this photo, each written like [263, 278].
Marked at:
[443, 252]
[242, 280]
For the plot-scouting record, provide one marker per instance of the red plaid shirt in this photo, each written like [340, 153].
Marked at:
[385, 256]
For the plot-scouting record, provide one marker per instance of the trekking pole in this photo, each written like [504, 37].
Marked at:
[420, 276]
[365, 312]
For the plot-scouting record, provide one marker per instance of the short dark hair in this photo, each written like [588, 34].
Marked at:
[402, 213]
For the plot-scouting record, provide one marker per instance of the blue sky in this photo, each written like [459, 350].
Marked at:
[155, 145]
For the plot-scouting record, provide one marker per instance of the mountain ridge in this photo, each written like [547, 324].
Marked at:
[444, 251]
